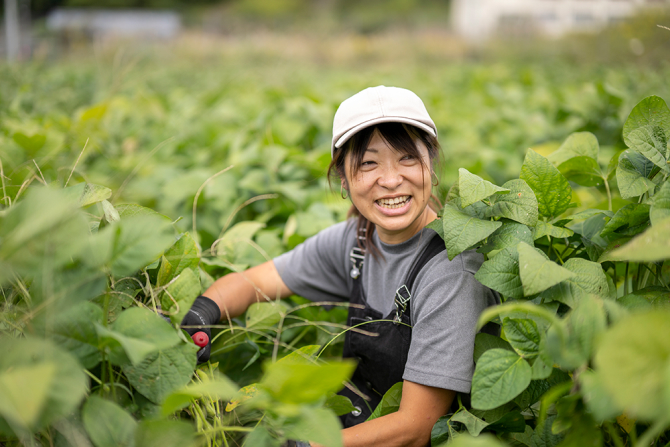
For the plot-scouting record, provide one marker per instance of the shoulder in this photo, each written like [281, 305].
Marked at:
[468, 261]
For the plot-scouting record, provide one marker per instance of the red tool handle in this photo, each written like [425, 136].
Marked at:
[200, 338]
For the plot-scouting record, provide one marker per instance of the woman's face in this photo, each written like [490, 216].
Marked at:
[391, 190]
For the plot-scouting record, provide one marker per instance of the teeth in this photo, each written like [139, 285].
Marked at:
[393, 203]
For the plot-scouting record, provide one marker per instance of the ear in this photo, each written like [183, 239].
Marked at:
[343, 184]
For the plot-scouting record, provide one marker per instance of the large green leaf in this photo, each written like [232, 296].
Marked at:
[24, 391]
[632, 174]
[578, 144]
[551, 189]
[597, 399]
[589, 278]
[651, 142]
[519, 205]
[317, 425]
[67, 386]
[523, 335]
[74, 330]
[632, 360]
[219, 388]
[577, 159]
[660, 209]
[133, 242]
[164, 371]
[462, 231]
[538, 273]
[501, 273]
[182, 255]
[547, 229]
[651, 111]
[265, 315]
[473, 188]
[472, 423]
[390, 402]
[165, 433]
[499, 377]
[484, 342]
[184, 290]
[509, 235]
[87, 193]
[632, 218]
[646, 299]
[43, 232]
[107, 424]
[650, 246]
[285, 381]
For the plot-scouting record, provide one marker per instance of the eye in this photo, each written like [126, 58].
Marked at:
[367, 163]
[407, 157]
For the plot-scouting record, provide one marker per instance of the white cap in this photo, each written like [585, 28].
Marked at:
[376, 105]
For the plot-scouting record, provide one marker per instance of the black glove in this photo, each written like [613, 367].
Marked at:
[203, 312]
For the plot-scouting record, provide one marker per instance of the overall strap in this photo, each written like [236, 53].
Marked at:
[403, 295]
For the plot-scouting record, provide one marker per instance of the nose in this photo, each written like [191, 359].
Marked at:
[390, 177]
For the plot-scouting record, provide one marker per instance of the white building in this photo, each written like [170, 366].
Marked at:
[479, 20]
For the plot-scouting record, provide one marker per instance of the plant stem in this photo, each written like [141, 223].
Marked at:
[616, 288]
[625, 280]
[652, 432]
[609, 194]
[618, 442]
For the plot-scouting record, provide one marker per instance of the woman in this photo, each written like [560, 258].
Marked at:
[383, 151]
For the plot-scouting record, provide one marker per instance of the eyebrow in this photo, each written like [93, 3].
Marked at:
[372, 150]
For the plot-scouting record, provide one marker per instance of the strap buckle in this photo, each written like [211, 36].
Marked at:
[357, 257]
[402, 297]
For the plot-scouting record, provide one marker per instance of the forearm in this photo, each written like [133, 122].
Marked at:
[395, 429]
[235, 292]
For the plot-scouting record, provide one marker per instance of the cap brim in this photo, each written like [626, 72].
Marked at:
[385, 119]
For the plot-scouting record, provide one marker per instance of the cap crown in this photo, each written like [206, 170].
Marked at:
[376, 105]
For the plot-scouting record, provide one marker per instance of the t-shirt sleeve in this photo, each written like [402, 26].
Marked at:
[317, 268]
[445, 308]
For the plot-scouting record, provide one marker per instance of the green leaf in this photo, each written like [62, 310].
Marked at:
[219, 388]
[632, 173]
[645, 299]
[123, 349]
[542, 313]
[390, 402]
[235, 238]
[285, 381]
[650, 142]
[472, 423]
[523, 335]
[305, 355]
[128, 210]
[88, 193]
[538, 273]
[519, 205]
[74, 330]
[632, 360]
[317, 425]
[650, 246]
[540, 369]
[163, 371]
[660, 209]
[578, 144]
[651, 111]
[67, 387]
[473, 188]
[501, 273]
[462, 231]
[547, 229]
[597, 399]
[133, 243]
[184, 290]
[485, 440]
[32, 143]
[499, 377]
[265, 315]
[107, 424]
[110, 213]
[484, 342]
[260, 437]
[589, 278]
[551, 189]
[543, 436]
[630, 217]
[509, 235]
[165, 433]
[583, 170]
[24, 391]
[340, 405]
[181, 256]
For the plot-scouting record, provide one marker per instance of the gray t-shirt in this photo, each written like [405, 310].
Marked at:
[445, 305]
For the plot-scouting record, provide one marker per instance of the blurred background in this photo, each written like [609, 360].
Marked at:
[152, 97]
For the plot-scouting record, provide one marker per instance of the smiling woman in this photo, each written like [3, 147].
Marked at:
[418, 308]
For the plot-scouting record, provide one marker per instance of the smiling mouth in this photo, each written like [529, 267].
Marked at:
[396, 202]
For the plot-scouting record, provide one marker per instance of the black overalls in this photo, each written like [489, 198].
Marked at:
[381, 359]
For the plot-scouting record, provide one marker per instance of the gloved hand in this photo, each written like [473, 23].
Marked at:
[203, 312]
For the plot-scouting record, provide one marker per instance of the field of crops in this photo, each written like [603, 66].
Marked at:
[165, 173]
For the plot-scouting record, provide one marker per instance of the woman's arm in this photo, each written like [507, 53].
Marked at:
[420, 407]
[235, 292]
